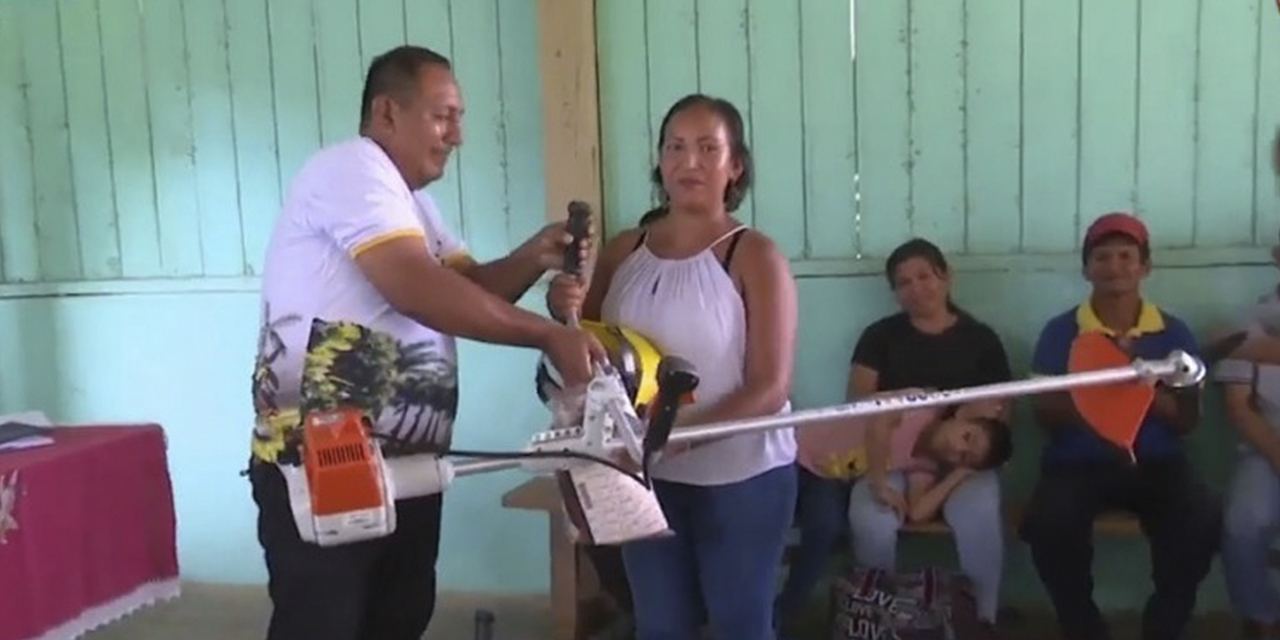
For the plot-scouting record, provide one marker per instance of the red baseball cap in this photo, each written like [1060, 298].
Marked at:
[1117, 222]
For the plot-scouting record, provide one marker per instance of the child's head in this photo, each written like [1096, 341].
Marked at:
[976, 442]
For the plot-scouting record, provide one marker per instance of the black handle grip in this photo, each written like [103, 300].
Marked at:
[677, 377]
[579, 219]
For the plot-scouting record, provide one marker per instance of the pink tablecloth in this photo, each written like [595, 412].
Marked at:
[87, 531]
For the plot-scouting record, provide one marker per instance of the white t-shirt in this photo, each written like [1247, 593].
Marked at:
[324, 323]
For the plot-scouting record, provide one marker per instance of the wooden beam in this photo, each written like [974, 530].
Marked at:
[570, 106]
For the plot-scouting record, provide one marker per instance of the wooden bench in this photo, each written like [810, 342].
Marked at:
[1117, 523]
[578, 604]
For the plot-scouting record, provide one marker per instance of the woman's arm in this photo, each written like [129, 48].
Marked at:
[867, 361]
[925, 496]
[993, 367]
[1251, 426]
[769, 294]
[879, 433]
[863, 381]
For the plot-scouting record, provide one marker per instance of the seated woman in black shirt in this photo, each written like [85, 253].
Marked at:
[933, 344]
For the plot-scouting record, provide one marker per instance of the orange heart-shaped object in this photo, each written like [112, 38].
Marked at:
[1115, 411]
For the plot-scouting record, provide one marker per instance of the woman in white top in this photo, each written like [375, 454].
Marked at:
[703, 286]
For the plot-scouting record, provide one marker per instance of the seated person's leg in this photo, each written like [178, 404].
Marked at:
[1058, 527]
[873, 525]
[663, 572]
[1183, 521]
[822, 505]
[1252, 521]
[973, 511]
[740, 530]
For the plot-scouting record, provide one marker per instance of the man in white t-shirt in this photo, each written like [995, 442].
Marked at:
[363, 293]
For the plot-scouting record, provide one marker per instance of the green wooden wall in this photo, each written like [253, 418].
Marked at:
[995, 128]
[144, 147]
[153, 139]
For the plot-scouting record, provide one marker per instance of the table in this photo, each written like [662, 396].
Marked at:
[577, 600]
[87, 530]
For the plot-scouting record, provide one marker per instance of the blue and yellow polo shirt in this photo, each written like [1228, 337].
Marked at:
[1157, 334]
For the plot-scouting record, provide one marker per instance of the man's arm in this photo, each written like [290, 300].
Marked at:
[416, 286]
[508, 278]
[1053, 410]
[1181, 407]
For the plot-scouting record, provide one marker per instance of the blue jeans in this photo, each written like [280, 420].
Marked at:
[1252, 521]
[972, 510]
[722, 564]
[821, 508]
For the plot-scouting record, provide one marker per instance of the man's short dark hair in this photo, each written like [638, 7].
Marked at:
[395, 74]
[999, 442]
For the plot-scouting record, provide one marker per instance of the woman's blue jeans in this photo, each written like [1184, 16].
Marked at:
[722, 564]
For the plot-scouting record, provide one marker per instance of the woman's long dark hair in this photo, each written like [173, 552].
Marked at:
[925, 250]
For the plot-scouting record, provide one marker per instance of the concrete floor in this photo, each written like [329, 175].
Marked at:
[216, 612]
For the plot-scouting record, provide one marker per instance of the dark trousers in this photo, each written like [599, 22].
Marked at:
[1180, 517]
[383, 589]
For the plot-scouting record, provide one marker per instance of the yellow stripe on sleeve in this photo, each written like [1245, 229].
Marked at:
[459, 261]
[386, 237]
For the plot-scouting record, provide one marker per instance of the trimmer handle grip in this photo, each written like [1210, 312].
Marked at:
[579, 221]
[677, 378]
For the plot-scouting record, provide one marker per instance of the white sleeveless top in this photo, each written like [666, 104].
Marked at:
[691, 308]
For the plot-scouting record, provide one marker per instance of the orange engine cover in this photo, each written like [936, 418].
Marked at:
[341, 462]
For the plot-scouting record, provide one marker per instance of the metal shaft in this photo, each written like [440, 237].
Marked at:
[485, 465]
[1176, 365]
[1178, 369]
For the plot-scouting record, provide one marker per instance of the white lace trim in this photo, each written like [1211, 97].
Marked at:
[97, 616]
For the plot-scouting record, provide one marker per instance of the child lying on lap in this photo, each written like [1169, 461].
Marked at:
[935, 449]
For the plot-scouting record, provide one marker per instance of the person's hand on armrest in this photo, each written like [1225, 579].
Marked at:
[416, 286]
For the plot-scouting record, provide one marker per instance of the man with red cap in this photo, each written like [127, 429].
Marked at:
[1082, 475]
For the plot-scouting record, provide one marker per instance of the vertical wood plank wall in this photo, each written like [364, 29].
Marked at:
[996, 128]
[152, 140]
